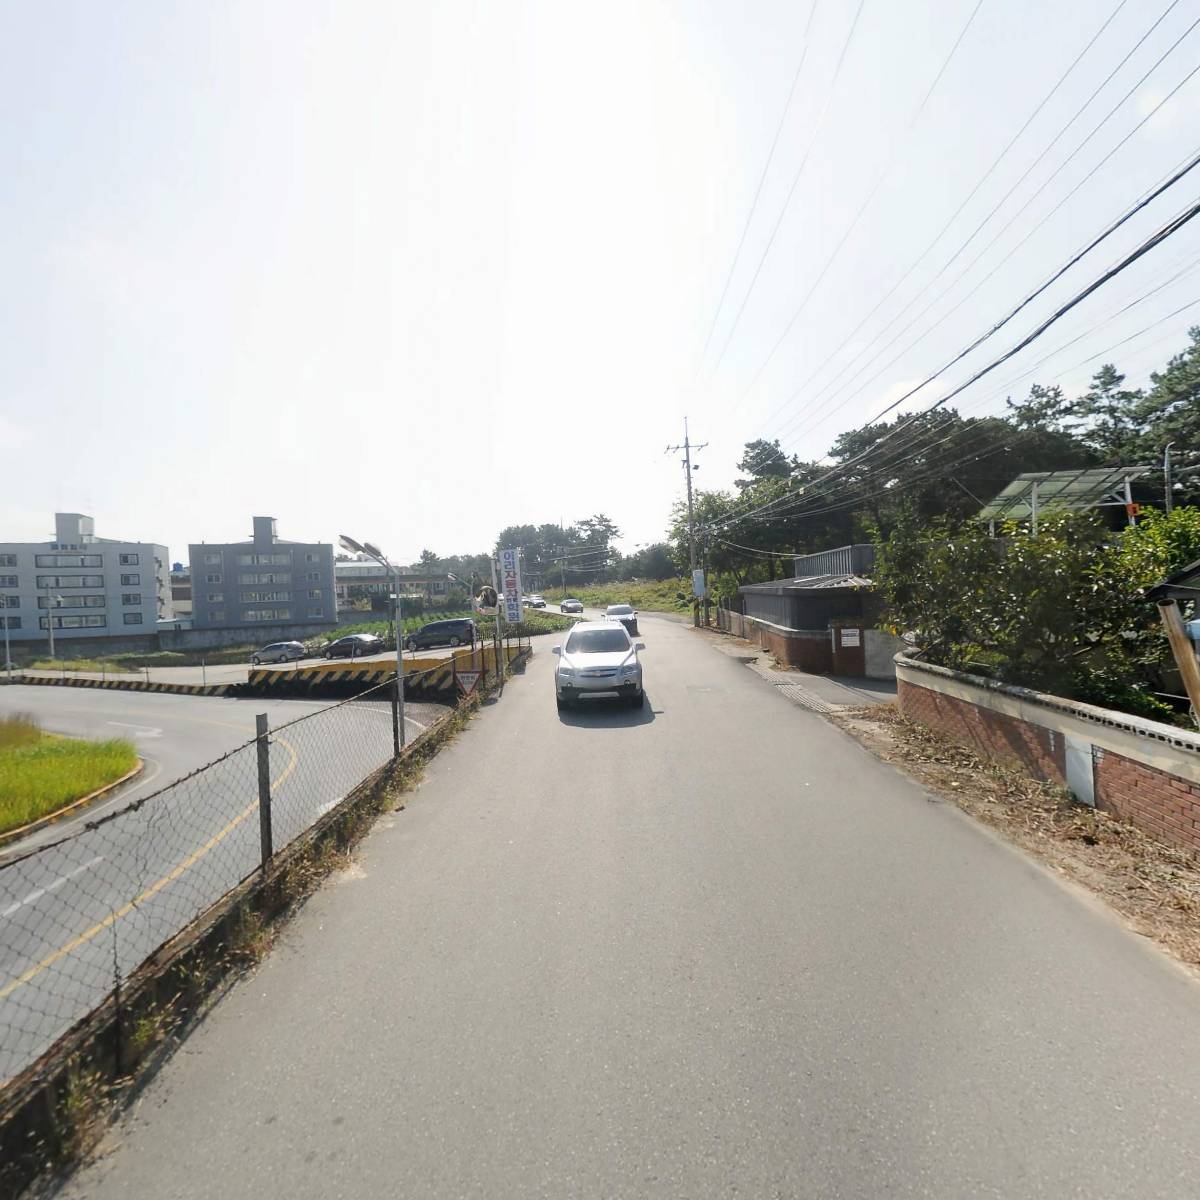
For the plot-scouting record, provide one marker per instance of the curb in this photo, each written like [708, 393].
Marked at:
[12, 835]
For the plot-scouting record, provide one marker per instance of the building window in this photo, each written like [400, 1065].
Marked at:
[217, 616]
[310, 558]
[264, 560]
[213, 578]
[131, 598]
[12, 622]
[8, 581]
[261, 578]
[315, 612]
[88, 622]
[132, 618]
[314, 577]
[8, 560]
[439, 587]
[70, 581]
[131, 580]
[128, 560]
[314, 593]
[212, 560]
[264, 597]
[68, 560]
[10, 601]
[267, 614]
[216, 597]
[71, 602]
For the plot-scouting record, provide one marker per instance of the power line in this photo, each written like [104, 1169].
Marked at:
[969, 197]
[1004, 229]
[1161, 235]
[863, 207]
[758, 190]
[791, 190]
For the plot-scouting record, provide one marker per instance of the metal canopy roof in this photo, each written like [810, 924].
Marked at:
[1061, 491]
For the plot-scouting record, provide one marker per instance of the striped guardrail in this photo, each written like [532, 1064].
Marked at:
[127, 685]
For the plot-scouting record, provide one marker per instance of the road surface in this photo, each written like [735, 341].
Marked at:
[120, 889]
[709, 948]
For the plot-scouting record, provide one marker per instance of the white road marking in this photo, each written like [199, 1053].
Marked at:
[145, 731]
[33, 897]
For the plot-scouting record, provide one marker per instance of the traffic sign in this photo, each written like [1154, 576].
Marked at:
[468, 681]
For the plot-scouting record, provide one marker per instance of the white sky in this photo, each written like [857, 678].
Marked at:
[415, 272]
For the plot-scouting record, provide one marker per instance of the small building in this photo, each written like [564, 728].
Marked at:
[264, 582]
[88, 587]
[364, 578]
[824, 619]
[181, 590]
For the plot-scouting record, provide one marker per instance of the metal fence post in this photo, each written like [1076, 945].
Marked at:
[396, 718]
[264, 788]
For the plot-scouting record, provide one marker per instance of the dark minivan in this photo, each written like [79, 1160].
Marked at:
[462, 631]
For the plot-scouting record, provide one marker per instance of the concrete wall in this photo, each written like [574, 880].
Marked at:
[808, 649]
[881, 651]
[1143, 772]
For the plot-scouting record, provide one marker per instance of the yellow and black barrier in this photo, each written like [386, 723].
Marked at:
[424, 678]
[128, 685]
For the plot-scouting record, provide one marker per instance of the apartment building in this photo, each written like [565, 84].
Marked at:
[88, 587]
[265, 581]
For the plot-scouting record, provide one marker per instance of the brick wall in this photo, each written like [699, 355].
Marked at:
[995, 735]
[1154, 784]
[808, 651]
[1164, 806]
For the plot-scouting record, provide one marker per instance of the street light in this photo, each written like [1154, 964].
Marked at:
[52, 602]
[374, 552]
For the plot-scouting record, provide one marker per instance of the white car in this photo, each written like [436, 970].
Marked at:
[598, 659]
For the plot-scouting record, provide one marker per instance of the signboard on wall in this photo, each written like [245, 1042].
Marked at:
[850, 637]
[510, 584]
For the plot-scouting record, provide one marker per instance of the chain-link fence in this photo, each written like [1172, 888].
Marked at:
[81, 912]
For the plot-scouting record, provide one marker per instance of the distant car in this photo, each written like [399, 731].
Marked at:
[571, 605]
[536, 601]
[461, 631]
[354, 645]
[598, 659]
[278, 652]
[626, 614]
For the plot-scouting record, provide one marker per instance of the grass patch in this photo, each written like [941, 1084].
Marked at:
[39, 773]
[107, 666]
[668, 595]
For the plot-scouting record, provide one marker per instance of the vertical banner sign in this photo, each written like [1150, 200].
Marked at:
[510, 584]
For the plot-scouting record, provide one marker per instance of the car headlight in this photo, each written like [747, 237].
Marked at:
[566, 672]
[630, 669]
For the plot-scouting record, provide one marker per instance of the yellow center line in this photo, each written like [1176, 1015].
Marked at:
[154, 888]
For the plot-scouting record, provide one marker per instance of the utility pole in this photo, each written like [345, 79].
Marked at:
[1168, 500]
[687, 449]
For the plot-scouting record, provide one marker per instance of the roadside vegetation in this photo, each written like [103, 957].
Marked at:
[98, 665]
[40, 772]
[665, 595]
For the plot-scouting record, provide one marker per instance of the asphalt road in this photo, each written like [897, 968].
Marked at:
[711, 948]
[90, 897]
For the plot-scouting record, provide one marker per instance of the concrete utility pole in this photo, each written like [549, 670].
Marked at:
[687, 449]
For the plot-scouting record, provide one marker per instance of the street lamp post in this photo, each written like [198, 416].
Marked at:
[52, 602]
[7, 655]
[375, 553]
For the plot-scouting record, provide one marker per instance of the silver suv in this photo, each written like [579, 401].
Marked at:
[598, 659]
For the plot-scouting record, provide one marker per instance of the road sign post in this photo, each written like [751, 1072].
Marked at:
[264, 789]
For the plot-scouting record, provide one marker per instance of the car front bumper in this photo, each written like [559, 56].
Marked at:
[579, 686]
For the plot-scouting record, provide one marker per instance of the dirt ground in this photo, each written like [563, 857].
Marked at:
[1156, 888]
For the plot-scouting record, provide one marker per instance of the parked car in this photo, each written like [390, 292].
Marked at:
[536, 601]
[354, 645]
[570, 604]
[626, 614]
[461, 631]
[598, 659]
[278, 652]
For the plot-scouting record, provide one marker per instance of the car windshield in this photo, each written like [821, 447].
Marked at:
[620, 610]
[597, 641]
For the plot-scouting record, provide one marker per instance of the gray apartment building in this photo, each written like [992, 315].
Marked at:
[89, 587]
[265, 581]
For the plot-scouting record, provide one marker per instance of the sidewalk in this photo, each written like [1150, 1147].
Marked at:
[820, 693]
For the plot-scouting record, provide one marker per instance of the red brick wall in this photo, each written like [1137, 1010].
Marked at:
[1165, 806]
[1160, 804]
[994, 735]
[809, 652]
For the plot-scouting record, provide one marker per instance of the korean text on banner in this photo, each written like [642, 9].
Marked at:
[510, 584]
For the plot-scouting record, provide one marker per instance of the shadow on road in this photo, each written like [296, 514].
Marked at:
[607, 712]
